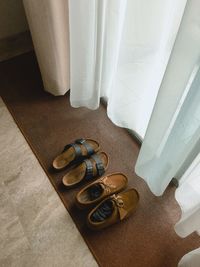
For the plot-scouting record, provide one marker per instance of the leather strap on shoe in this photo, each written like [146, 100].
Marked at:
[99, 164]
[77, 148]
[89, 167]
[83, 142]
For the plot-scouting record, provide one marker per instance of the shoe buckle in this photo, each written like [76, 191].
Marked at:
[80, 141]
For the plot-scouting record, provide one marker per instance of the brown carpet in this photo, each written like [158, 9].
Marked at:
[147, 239]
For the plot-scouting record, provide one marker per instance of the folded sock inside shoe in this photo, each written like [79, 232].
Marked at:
[95, 191]
[103, 212]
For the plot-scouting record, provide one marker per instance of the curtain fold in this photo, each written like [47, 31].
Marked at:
[172, 137]
[48, 22]
[94, 48]
[119, 50]
[188, 197]
[191, 259]
[172, 140]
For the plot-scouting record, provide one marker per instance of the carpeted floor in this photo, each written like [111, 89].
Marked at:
[48, 123]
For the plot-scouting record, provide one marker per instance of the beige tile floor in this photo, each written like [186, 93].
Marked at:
[35, 228]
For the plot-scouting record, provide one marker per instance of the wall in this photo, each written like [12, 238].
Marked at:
[12, 18]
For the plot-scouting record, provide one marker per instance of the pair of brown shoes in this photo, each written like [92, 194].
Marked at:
[85, 156]
[112, 205]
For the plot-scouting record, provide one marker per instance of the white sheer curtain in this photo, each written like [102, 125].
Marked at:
[119, 50]
[191, 259]
[188, 197]
[172, 140]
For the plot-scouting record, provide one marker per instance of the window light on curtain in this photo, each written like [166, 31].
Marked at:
[120, 52]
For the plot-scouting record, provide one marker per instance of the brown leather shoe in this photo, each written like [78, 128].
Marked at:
[113, 209]
[100, 189]
[88, 170]
[75, 153]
